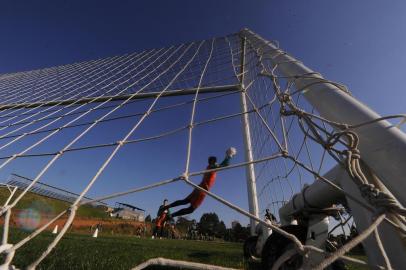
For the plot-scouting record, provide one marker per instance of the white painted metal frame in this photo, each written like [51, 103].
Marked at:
[382, 146]
[250, 169]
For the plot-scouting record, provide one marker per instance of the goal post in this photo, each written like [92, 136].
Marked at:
[322, 195]
[381, 144]
[250, 169]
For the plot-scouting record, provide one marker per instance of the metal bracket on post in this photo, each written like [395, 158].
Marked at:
[250, 170]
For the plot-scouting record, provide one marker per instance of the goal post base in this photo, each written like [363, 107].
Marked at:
[322, 195]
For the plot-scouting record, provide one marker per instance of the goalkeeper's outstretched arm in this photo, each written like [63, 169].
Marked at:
[229, 154]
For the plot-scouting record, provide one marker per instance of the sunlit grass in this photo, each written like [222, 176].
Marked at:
[78, 251]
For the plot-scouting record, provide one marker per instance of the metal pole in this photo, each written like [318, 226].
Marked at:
[250, 170]
[393, 243]
[382, 145]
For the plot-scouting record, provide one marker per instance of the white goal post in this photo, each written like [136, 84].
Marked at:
[382, 146]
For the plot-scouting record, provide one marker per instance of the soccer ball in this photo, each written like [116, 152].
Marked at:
[231, 152]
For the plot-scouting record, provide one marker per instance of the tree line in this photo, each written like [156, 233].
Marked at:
[209, 227]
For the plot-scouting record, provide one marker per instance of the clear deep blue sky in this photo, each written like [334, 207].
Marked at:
[358, 43]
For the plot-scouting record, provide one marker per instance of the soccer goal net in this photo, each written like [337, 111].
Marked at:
[312, 155]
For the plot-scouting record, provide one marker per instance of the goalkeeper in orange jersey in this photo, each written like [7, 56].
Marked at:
[197, 196]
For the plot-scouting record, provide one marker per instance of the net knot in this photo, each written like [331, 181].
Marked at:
[300, 113]
[285, 98]
[284, 153]
[381, 200]
[355, 153]
[352, 153]
[344, 126]
[73, 208]
[5, 248]
[4, 209]
[285, 112]
[327, 146]
[184, 176]
[121, 143]
[302, 250]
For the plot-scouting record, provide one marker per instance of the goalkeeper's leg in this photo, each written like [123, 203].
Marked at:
[177, 203]
[184, 211]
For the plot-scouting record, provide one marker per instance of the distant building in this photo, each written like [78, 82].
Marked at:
[234, 223]
[128, 211]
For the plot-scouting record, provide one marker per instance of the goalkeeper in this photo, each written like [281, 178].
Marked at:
[197, 196]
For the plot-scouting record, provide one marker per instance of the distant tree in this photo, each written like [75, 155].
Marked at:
[183, 225]
[246, 232]
[237, 230]
[209, 224]
[148, 218]
[220, 230]
[228, 236]
[240, 233]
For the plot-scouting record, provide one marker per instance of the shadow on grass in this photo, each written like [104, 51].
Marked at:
[200, 255]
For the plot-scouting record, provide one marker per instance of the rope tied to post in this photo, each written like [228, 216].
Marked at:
[384, 202]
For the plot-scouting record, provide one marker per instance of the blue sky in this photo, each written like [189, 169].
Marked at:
[358, 43]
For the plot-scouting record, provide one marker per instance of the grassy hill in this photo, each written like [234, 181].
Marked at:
[50, 206]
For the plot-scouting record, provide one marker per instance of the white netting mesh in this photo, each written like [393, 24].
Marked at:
[50, 113]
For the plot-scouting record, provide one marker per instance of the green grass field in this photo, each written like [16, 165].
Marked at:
[81, 251]
[77, 251]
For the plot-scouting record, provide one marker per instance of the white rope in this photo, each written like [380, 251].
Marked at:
[107, 161]
[179, 264]
[95, 76]
[59, 117]
[246, 88]
[71, 143]
[46, 93]
[192, 117]
[99, 66]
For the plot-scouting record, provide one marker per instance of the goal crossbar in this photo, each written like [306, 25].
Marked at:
[147, 95]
